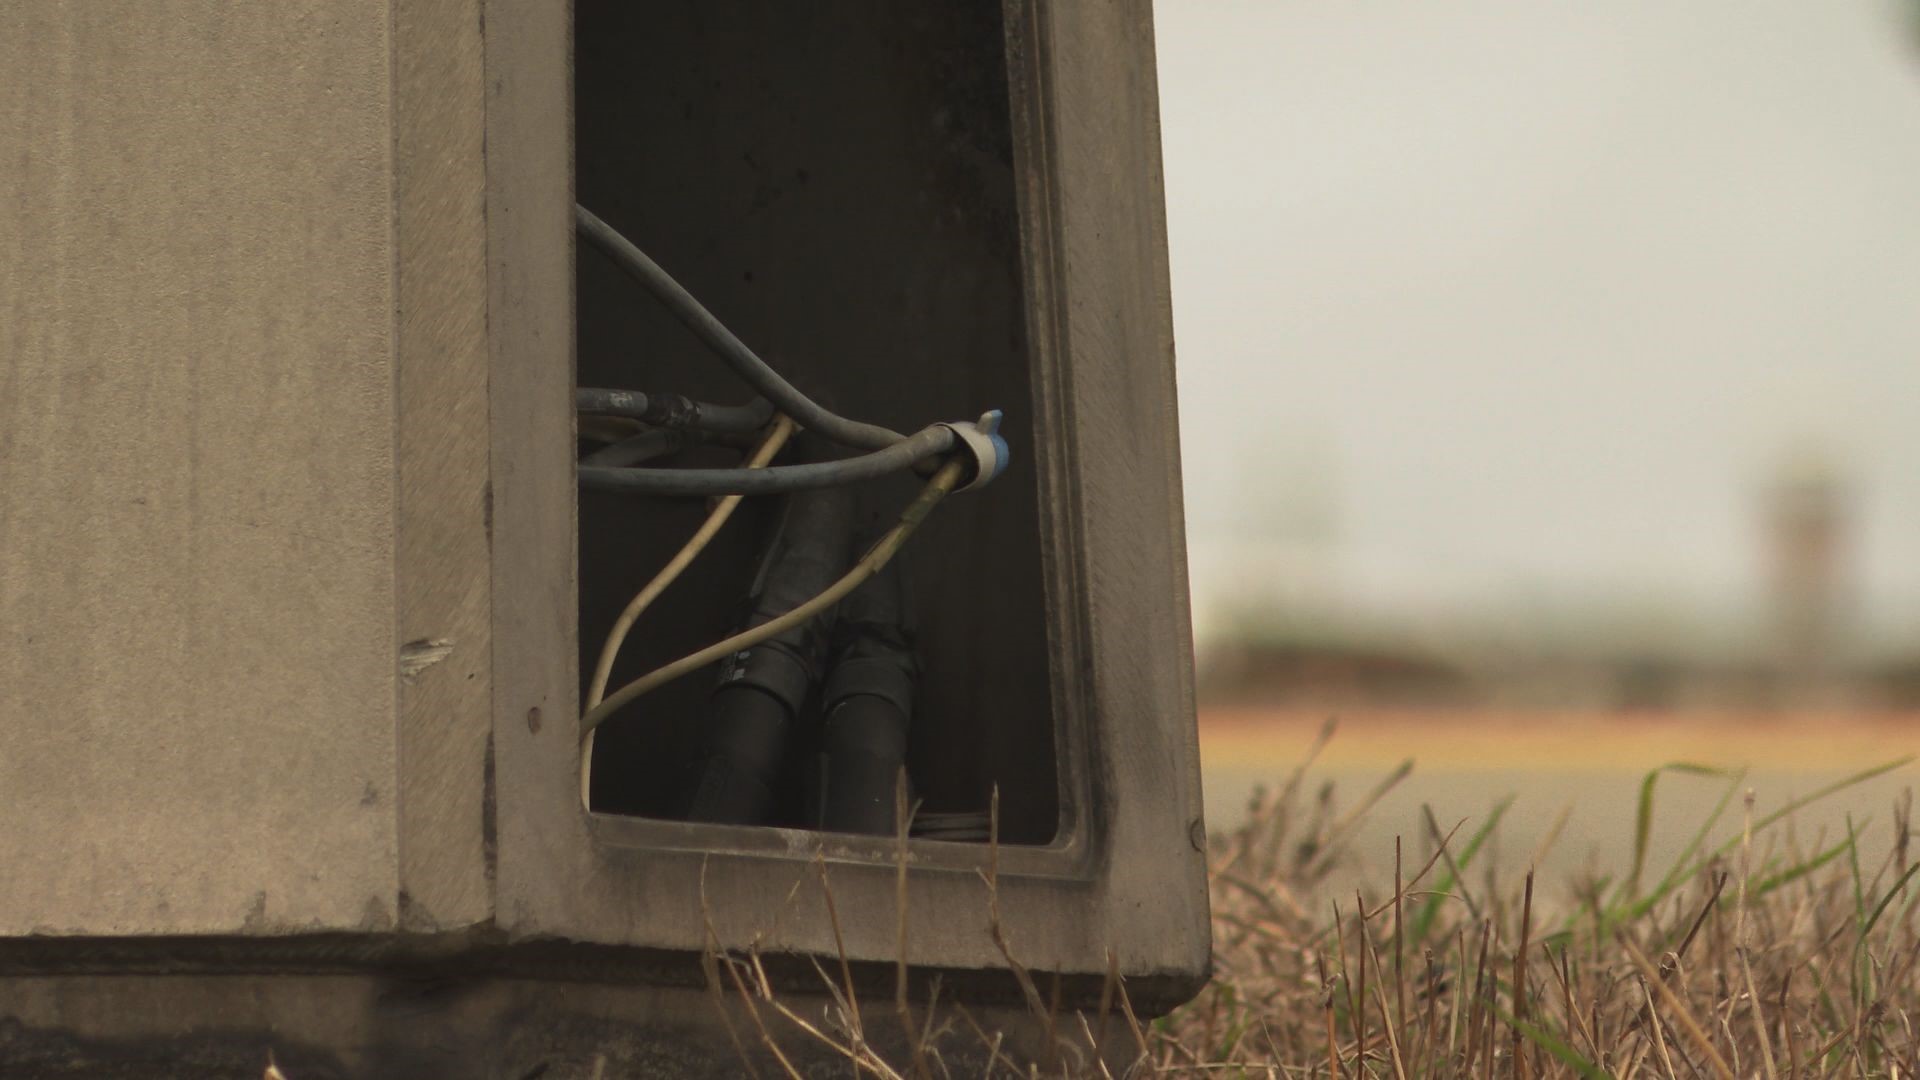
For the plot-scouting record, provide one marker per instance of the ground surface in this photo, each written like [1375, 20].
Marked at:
[1593, 762]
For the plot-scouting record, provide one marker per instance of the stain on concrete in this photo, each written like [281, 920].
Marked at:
[420, 654]
[256, 920]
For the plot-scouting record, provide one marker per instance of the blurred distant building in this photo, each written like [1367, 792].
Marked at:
[1280, 632]
[1804, 519]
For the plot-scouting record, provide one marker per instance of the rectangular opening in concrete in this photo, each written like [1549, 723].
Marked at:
[840, 190]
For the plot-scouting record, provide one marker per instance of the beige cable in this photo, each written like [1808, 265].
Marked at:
[777, 435]
[876, 557]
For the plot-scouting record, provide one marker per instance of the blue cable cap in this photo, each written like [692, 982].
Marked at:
[982, 440]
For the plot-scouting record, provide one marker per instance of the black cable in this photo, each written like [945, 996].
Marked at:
[673, 410]
[764, 687]
[649, 444]
[767, 382]
[926, 443]
[866, 706]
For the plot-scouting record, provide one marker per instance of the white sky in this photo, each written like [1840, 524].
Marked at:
[1504, 298]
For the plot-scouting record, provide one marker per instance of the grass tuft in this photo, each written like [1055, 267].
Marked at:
[1748, 956]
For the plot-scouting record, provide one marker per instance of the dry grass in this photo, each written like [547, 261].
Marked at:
[1756, 953]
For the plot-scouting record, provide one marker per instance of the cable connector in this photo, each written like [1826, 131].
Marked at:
[982, 444]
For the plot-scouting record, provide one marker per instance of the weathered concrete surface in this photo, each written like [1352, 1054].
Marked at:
[444, 461]
[334, 1027]
[197, 634]
[245, 670]
[276, 604]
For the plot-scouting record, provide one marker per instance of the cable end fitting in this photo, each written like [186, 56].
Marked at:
[981, 442]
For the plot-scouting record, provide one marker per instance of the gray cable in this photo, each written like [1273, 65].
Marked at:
[767, 382]
[904, 454]
[649, 444]
[674, 411]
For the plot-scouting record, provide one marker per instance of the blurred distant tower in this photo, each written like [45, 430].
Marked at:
[1805, 525]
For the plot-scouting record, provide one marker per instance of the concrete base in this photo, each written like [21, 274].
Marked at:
[332, 1027]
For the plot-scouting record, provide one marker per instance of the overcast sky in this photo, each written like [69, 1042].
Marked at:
[1508, 297]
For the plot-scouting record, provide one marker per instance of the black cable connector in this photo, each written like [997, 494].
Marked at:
[867, 707]
[763, 688]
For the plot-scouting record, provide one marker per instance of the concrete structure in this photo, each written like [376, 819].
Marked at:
[289, 620]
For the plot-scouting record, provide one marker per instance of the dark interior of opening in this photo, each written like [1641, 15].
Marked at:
[834, 182]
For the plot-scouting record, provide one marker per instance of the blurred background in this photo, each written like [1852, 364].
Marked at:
[1550, 391]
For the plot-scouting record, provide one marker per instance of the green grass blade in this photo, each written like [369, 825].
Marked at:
[1643, 816]
[1443, 887]
[1645, 904]
[1545, 1040]
[1678, 871]
[1861, 973]
[1682, 868]
[1881, 907]
[1763, 823]
[1853, 867]
[1794, 873]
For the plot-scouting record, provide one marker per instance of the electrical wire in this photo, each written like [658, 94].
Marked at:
[674, 410]
[876, 557]
[607, 429]
[777, 436]
[634, 449]
[779, 479]
[695, 317]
